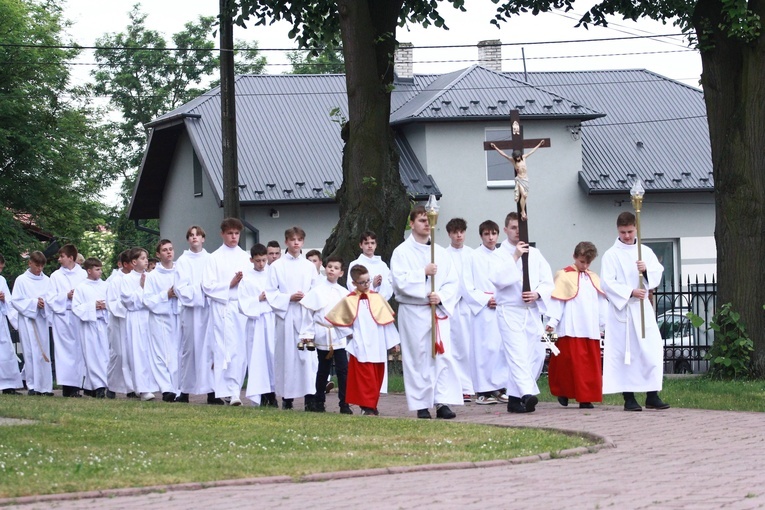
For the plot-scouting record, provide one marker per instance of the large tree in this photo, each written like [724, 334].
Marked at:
[727, 33]
[53, 152]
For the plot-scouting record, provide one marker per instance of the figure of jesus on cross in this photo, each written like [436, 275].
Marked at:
[518, 161]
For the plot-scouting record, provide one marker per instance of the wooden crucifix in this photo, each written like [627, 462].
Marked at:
[517, 143]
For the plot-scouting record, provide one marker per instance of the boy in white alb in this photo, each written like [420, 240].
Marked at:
[366, 319]
[10, 375]
[260, 329]
[164, 322]
[462, 320]
[89, 308]
[631, 361]
[330, 345]
[70, 364]
[195, 373]
[137, 324]
[28, 298]
[289, 279]
[119, 372]
[488, 365]
[227, 327]
[429, 380]
[519, 314]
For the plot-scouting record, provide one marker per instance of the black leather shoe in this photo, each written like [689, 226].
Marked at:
[10, 391]
[287, 404]
[563, 401]
[214, 401]
[586, 405]
[183, 398]
[529, 402]
[652, 401]
[133, 394]
[100, 393]
[443, 412]
[345, 409]
[630, 404]
[168, 396]
[424, 414]
[514, 405]
[110, 394]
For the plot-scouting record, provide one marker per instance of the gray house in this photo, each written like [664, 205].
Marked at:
[606, 129]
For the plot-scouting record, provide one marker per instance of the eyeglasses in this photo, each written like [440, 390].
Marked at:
[362, 284]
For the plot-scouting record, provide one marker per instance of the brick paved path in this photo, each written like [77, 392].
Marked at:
[674, 459]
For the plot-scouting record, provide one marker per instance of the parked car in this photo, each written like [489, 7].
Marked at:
[680, 341]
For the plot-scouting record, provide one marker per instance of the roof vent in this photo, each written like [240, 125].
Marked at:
[548, 107]
[604, 176]
[259, 191]
[639, 144]
[492, 107]
[685, 174]
[447, 103]
[531, 101]
[520, 106]
[436, 108]
[576, 106]
[631, 175]
[594, 181]
[414, 179]
[317, 190]
[299, 183]
[649, 181]
[474, 101]
[659, 174]
[287, 191]
[558, 100]
[464, 108]
[703, 179]
[621, 181]
[329, 183]
[271, 185]
[427, 186]
[677, 181]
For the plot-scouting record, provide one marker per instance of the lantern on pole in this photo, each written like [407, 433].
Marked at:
[637, 193]
[431, 208]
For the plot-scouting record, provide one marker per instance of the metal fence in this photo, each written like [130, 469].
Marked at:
[684, 345]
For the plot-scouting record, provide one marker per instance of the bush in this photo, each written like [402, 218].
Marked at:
[731, 354]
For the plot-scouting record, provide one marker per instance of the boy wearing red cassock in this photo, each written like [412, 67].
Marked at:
[366, 319]
[577, 312]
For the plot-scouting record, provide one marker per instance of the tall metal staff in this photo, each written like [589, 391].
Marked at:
[637, 193]
[432, 211]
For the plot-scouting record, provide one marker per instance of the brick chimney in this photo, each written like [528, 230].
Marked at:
[404, 61]
[490, 55]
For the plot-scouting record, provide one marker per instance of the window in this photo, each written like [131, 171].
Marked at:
[198, 176]
[665, 252]
[499, 171]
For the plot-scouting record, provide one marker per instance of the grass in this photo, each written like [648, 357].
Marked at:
[88, 444]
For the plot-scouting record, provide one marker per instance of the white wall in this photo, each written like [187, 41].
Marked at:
[180, 208]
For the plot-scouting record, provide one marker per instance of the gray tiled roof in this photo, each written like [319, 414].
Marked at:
[655, 129]
[477, 93]
[281, 122]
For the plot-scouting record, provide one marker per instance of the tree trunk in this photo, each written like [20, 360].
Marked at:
[372, 196]
[734, 92]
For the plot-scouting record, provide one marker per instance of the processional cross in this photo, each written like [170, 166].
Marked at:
[518, 143]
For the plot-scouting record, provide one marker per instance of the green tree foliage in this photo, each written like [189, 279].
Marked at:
[729, 37]
[145, 76]
[326, 61]
[53, 151]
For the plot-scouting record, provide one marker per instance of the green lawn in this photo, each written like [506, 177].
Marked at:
[86, 444]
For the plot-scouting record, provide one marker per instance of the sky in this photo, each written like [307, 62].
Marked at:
[669, 56]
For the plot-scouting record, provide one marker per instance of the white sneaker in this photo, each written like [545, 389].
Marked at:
[235, 401]
[486, 401]
[147, 396]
